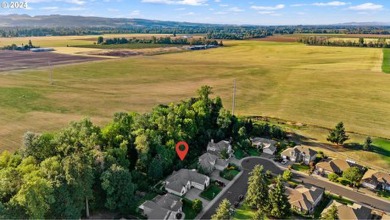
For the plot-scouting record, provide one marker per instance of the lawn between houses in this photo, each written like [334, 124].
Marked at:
[211, 191]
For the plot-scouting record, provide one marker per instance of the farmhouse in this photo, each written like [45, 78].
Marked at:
[376, 180]
[267, 145]
[304, 199]
[336, 166]
[164, 207]
[209, 162]
[181, 181]
[300, 154]
[220, 148]
[350, 212]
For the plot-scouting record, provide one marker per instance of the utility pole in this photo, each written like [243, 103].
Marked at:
[234, 96]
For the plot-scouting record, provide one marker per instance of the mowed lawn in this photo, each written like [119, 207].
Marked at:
[314, 85]
[386, 61]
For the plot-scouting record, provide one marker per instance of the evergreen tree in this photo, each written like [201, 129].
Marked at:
[257, 194]
[280, 206]
[367, 144]
[222, 212]
[259, 215]
[338, 135]
[331, 214]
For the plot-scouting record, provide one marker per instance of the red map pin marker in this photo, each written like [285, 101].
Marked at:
[182, 153]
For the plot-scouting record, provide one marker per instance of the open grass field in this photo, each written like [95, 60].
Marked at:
[127, 46]
[313, 85]
[386, 61]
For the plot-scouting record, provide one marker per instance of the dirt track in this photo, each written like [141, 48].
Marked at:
[18, 60]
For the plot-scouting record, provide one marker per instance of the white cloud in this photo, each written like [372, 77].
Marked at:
[333, 3]
[298, 5]
[177, 2]
[235, 9]
[49, 8]
[224, 5]
[180, 9]
[367, 7]
[268, 8]
[135, 13]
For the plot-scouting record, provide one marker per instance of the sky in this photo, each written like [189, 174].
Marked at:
[257, 12]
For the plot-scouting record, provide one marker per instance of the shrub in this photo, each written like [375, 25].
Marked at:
[197, 205]
[333, 177]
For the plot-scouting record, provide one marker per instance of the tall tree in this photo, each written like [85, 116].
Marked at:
[223, 211]
[257, 194]
[280, 206]
[367, 144]
[259, 215]
[331, 214]
[35, 196]
[155, 169]
[338, 135]
[118, 185]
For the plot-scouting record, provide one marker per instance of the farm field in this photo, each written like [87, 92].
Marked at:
[313, 85]
[16, 60]
[63, 41]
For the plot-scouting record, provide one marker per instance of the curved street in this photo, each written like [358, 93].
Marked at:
[241, 186]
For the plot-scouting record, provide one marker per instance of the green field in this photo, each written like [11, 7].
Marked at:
[386, 61]
[313, 85]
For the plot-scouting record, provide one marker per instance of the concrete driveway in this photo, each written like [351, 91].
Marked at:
[194, 193]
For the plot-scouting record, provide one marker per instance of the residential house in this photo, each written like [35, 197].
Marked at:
[267, 145]
[209, 162]
[350, 212]
[300, 154]
[336, 166]
[164, 207]
[181, 181]
[376, 180]
[303, 199]
[220, 148]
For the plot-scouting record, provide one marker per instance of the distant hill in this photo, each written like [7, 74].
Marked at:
[15, 20]
[365, 24]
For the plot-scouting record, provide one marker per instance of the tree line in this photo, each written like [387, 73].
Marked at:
[160, 40]
[83, 167]
[326, 41]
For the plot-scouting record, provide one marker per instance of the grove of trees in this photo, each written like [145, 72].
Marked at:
[84, 168]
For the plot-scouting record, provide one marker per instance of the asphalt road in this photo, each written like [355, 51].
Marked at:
[241, 186]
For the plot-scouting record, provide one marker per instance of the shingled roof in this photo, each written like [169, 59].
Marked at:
[180, 178]
[348, 212]
[304, 198]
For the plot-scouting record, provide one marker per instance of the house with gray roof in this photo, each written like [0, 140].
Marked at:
[220, 147]
[268, 145]
[376, 180]
[300, 154]
[209, 162]
[350, 212]
[336, 166]
[303, 199]
[181, 181]
[164, 207]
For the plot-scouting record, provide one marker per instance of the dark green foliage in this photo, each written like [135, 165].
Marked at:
[279, 204]
[259, 215]
[100, 40]
[117, 183]
[367, 144]
[327, 41]
[338, 135]
[155, 169]
[258, 191]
